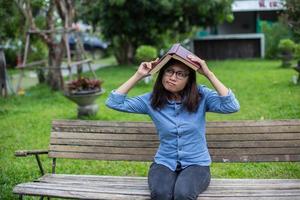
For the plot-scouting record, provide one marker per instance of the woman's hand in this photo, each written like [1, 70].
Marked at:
[145, 68]
[218, 85]
[142, 72]
[203, 69]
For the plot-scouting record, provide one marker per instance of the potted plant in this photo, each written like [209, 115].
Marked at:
[286, 48]
[84, 92]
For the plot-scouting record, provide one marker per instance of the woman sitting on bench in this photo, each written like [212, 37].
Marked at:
[177, 107]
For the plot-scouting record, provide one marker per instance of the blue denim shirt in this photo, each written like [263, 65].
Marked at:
[181, 134]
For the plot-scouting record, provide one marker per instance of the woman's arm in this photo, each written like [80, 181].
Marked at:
[142, 72]
[204, 70]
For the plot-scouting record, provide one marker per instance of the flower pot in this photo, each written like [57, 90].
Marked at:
[85, 101]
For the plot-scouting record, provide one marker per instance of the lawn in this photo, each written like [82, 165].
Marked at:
[265, 91]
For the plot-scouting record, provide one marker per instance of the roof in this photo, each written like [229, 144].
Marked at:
[257, 5]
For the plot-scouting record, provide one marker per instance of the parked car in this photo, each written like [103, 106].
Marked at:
[90, 42]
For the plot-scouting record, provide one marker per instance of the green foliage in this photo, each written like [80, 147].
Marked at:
[12, 21]
[11, 30]
[119, 21]
[297, 51]
[38, 51]
[293, 15]
[286, 48]
[286, 45]
[273, 34]
[26, 121]
[145, 53]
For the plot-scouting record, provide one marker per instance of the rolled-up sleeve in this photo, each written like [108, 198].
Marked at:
[220, 104]
[123, 103]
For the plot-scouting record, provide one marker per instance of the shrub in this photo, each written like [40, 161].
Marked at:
[286, 45]
[145, 53]
[274, 32]
[286, 48]
[297, 51]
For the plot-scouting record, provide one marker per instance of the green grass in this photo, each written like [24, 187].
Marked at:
[263, 88]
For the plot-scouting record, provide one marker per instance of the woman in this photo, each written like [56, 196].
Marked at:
[177, 107]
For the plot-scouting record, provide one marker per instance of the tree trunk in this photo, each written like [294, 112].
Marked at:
[54, 78]
[124, 52]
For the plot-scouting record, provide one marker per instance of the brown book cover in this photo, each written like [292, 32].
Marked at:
[176, 52]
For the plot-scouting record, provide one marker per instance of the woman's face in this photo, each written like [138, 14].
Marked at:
[175, 78]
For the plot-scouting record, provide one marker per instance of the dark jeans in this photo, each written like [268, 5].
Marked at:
[165, 184]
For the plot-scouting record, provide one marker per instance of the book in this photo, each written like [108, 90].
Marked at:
[176, 52]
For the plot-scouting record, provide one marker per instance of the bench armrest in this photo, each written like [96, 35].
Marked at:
[24, 153]
[36, 153]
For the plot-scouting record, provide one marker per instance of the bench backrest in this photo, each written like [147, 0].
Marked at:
[234, 141]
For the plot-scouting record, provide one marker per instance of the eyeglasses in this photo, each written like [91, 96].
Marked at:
[179, 74]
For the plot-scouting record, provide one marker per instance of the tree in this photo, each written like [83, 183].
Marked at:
[58, 14]
[11, 29]
[293, 15]
[128, 24]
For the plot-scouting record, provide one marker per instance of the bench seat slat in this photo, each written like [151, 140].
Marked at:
[143, 190]
[108, 187]
[140, 179]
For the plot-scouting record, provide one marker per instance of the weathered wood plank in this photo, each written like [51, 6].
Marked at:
[216, 184]
[154, 144]
[143, 129]
[253, 137]
[148, 144]
[254, 144]
[153, 136]
[104, 136]
[104, 150]
[151, 151]
[256, 158]
[242, 123]
[110, 187]
[144, 191]
[74, 194]
[220, 181]
[87, 156]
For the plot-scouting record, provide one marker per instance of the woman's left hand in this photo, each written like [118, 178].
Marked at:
[203, 69]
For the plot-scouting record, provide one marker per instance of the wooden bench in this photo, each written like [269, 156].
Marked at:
[236, 141]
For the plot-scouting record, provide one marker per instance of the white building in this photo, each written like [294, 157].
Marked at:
[243, 34]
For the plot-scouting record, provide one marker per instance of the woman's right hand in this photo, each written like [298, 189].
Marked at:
[145, 68]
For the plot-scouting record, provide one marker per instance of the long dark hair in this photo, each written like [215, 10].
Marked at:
[189, 95]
